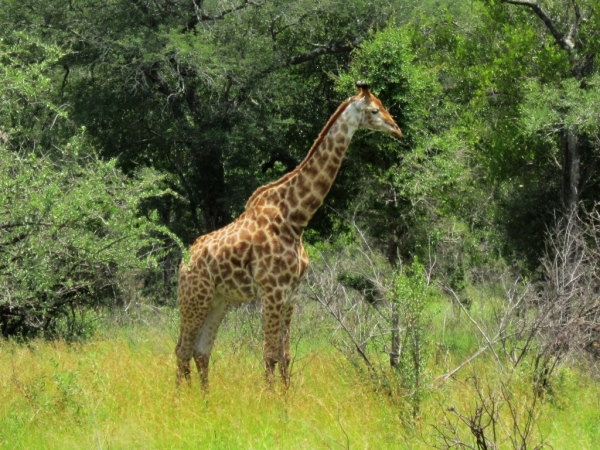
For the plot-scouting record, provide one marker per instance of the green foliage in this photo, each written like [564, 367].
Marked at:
[569, 104]
[421, 196]
[70, 232]
[521, 92]
[412, 298]
[27, 91]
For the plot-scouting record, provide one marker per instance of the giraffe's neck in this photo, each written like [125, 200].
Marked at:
[304, 191]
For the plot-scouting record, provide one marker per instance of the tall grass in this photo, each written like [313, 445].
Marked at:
[118, 391]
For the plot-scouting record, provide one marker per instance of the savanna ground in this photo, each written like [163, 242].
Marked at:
[117, 390]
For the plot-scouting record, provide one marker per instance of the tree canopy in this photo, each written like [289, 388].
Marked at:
[124, 116]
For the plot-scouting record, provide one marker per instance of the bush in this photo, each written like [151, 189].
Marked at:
[411, 297]
[69, 234]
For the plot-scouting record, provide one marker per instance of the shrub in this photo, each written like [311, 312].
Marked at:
[69, 233]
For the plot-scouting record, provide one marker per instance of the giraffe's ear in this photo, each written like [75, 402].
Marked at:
[364, 88]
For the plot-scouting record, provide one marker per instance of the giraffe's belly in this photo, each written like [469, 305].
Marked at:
[238, 286]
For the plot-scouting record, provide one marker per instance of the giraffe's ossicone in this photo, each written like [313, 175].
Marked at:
[260, 255]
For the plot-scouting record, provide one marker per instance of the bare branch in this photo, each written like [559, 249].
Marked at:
[342, 324]
[565, 43]
[498, 419]
[474, 322]
[450, 374]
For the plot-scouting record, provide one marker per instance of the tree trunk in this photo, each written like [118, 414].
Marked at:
[213, 197]
[571, 163]
[571, 157]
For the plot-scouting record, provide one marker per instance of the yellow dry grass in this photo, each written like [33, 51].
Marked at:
[117, 391]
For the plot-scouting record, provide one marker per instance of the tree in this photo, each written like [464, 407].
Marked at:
[202, 91]
[414, 187]
[516, 96]
[30, 118]
[71, 231]
[571, 106]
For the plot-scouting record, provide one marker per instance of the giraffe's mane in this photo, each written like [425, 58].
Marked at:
[257, 193]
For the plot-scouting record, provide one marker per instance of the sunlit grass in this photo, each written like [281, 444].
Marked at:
[118, 391]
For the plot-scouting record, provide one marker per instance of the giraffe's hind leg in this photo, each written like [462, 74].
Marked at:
[194, 305]
[206, 338]
[285, 336]
[271, 305]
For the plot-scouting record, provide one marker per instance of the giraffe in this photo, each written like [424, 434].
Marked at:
[260, 255]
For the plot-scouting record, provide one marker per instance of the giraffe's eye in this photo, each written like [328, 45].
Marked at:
[374, 111]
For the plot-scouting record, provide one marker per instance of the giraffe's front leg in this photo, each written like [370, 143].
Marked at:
[272, 319]
[202, 366]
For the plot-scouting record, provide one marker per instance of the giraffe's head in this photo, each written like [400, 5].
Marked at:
[372, 113]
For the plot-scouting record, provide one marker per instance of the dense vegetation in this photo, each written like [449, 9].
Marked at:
[130, 127]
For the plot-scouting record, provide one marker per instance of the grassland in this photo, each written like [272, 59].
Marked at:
[117, 391]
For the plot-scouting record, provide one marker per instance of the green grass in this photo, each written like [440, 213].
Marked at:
[118, 391]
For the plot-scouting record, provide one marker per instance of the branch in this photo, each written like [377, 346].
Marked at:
[340, 320]
[5, 226]
[450, 374]
[448, 290]
[294, 60]
[201, 16]
[566, 44]
[573, 31]
[64, 82]
[13, 241]
[275, 32]
[323, 50]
